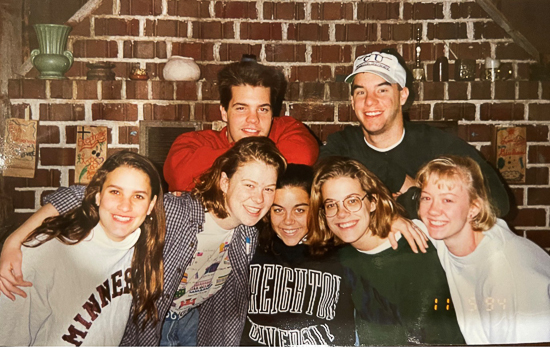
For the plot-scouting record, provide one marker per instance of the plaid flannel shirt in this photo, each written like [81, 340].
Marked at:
[223, 315]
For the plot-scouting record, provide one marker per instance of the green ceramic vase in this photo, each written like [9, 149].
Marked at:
[51, 59]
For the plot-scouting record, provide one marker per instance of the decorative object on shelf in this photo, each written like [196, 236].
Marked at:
[138, 73]
[51, 59]
[100, 71]
[418, 71]
[465, 69]
[441, 69]
[91, 152]
[492, 69]
[511, 152]
[19, 157]
[181, 69]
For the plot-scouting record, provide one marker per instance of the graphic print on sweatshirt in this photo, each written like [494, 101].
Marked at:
[304, 299]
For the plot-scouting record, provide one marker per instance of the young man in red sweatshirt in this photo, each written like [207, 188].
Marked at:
[251, 97]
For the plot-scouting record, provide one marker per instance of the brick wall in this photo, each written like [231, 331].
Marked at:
[313, 42]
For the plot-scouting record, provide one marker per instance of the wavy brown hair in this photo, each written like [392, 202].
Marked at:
[319, 236]
[207, 188]
[75, 225]
[452, 170]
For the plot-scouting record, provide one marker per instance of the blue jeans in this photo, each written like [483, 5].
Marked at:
[181, 332]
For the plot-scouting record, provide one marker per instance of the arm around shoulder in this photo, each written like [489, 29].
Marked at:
[294, 140]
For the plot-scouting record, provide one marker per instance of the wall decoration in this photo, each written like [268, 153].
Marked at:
[51, 59]
[20, 148]
[511, 153]
[91, 152]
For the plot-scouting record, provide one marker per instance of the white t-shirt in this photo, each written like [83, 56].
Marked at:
[207, 272]
[501, 290]
[80, 294]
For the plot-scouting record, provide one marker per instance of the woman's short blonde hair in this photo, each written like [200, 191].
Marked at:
[450, 170]
[319, 236]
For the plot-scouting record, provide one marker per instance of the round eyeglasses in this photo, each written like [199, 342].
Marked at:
[352, 203]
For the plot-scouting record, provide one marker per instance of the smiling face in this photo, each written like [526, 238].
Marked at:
[124, 202]
[249, 112]
[350, 227]
[289, 214]
[446, 210]
[249, 193]
[377, 105]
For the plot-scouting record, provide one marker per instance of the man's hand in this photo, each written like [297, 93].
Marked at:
[10, 272]
[414, 235]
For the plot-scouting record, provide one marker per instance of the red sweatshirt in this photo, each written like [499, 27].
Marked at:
[194, 152]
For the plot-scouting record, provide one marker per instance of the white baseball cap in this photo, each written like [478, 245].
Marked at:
[384, 65]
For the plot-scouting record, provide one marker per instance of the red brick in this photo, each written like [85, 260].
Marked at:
[434, 91]
[489, 30]
[179, 112]
[422, 11]
[331, 54]
[530, 217]
[33, 89]
[284, 10]
[428, 51]
[537, 132]
[261, 31]
[454, 111]
[95, 49]
[501, 111]
[539, 112]
[323, 131]
[476, 132]
[480, 90]
[538, 196]
[187, 90]
[339, 91]
[116, 27]
[154, 70]
[313, 91]
[307, 73]
[61, 112]
[377, 10]
[235, 9]
[114, 112]
[357, 32]
[61, 89]
[418, 112]
[184, 49]
[42, 178]
[346, 113]
[210, 71]
[207, 30]
[136, 90]
[48, 134]
[538, 154]
[467, 10]
[57, 156]
[539, 237]
[516, 199]
[446, 31]
[23, 199]
[162, 90]
[14, 89]
[457, 90]
[81, 28]
[510, 51]
[185, 8]
[111, 90]
[536, 176]
[18, 110]
[285, 53]
[522, 71]
[169, 28]
[528, 89]
[106, 7]
[312, 112]
[86, 89]
[141, 7]
[144, 49]
[207, 112]
[505, 90]
[293, 92]
[309, 32]
[545, 90]
[128, 135]
[234, 52]
[336, 11]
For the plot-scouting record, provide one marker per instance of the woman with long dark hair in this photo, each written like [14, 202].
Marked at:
[90, 264]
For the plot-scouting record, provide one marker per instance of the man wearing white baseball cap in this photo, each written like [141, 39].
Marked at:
[392, 148]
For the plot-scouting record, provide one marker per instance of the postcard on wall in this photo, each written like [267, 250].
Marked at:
[20, 148]
[511, 155]
[91, 152]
